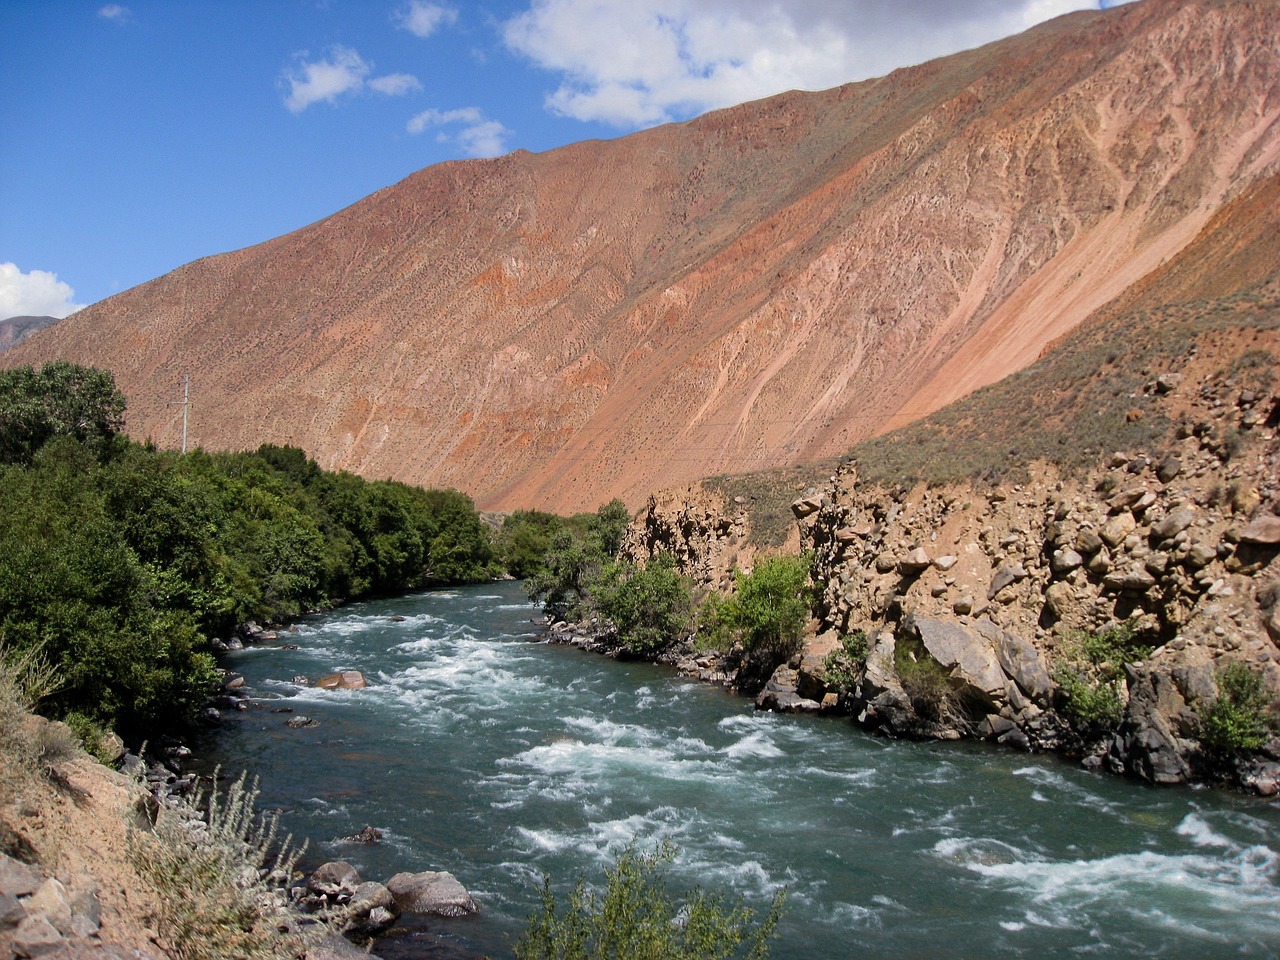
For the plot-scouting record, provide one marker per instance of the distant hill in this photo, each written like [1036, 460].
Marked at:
[16, 329]
[762, 286]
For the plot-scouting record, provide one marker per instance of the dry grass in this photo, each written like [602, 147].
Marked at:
[217, 873]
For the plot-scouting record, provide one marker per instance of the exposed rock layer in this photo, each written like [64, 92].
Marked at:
[763, 285]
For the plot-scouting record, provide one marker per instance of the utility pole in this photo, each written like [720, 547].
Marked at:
[184, 403]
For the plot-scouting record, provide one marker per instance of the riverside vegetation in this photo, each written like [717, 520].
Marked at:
[120, 564]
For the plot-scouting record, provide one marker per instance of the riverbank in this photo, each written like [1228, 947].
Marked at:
[479, 750]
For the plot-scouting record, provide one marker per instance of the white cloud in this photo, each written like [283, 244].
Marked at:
[114, 12]
[343, 72]
[422, 18]
[636, 62]
[477, 137]
[396, 84]
[35, 294]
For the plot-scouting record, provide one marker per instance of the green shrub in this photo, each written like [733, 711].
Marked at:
[651, 606]
[844, 666]
[1237, 720]
[1090, 678]
[927, 684]
[771, 606]
[1091, 701]
[638, 919]
[215, 884]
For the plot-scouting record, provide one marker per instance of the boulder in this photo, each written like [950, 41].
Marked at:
[916, 561]
[1173, 523]
[345, 680]
[806, 506]
[1115, 530]
[434, 892]
[1060, 597]
[333, 879]
[1147, 741]
[782, 695]
[968, 656]
[1263, 530]
[1020, 661]
[1064, 561]
[367, 835]
[18, 878]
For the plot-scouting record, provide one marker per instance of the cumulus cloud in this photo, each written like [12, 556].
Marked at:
[423, 18]
[636, 62]
[343, 71]
[114, 12]
[467, 127]
[35, 294]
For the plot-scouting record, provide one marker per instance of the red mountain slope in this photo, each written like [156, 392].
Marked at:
[762, 285]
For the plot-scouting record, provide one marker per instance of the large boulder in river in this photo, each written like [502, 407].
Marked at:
[436, 892]
[345, 680]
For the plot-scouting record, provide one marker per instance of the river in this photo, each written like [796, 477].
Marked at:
[478, 750]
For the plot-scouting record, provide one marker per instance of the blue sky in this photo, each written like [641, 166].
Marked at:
[139, 136]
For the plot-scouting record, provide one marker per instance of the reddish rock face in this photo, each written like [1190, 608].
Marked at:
[763, 285]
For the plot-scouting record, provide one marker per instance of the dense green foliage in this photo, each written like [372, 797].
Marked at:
[524, 541]
[121, 561]
[60, 399]
[1090, 677]
[638, 919]
[578, 552]
[1236, 721]
[651, 606]
[766, 612]
[580, 575]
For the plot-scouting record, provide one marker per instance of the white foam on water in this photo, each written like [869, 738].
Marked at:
[855, 916]
[1204, 894]
[1196, 829]
[1051, 783]
[854, 777]
[754, 745]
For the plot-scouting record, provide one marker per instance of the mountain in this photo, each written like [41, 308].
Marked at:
[16, 329]
[760, 286]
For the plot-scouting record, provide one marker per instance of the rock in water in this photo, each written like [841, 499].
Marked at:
[346, 680]
[434, 892]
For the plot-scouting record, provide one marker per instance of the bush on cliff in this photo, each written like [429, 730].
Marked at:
[637, 918]
[1090, 677]
[766, 614]
[1237, 720]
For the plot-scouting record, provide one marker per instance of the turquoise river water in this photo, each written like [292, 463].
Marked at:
[478, 750]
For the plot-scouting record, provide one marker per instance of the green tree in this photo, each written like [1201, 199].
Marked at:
[62, 399]
[771, 606]
[524, 541]
[637, 918]
[610, 527]
[561, 586]
[651, 606]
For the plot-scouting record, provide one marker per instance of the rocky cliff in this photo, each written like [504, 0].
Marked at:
[974, 601]
[761, 286]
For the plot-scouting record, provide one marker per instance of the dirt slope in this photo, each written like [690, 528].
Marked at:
[764, 285]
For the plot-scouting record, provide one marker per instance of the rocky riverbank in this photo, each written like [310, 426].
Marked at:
[970, 603]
